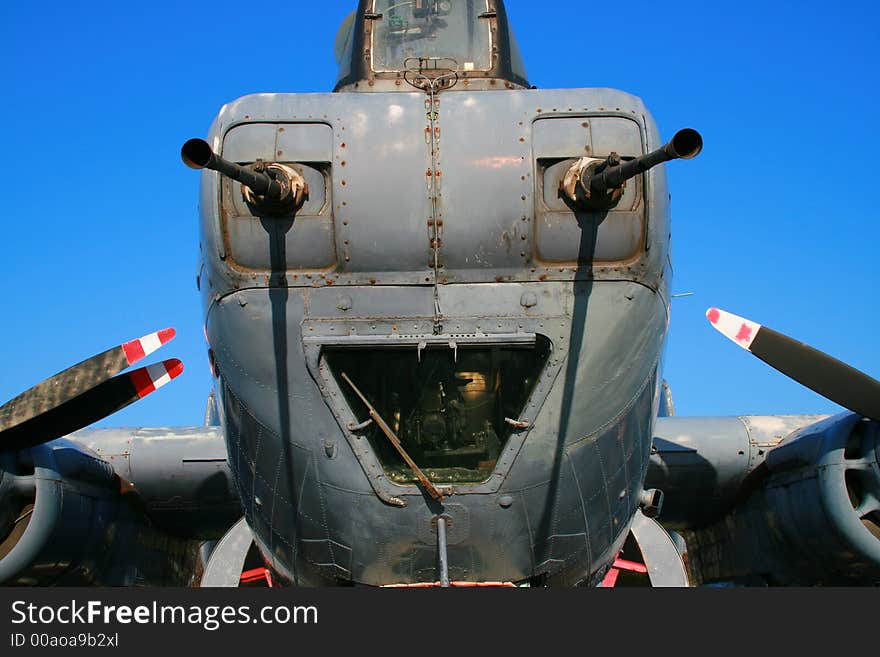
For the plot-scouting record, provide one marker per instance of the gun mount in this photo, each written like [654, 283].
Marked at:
[270, 187]
[595, 183]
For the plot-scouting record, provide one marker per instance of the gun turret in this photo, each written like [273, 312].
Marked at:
[596, 183]
[271, 187]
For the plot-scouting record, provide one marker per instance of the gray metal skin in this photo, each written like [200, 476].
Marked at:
[180, 475]
[700, 463]
[356, 261]
[772, 500]
[807, 515]
[87, 526]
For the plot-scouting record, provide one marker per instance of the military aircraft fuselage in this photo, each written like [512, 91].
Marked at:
[508, 338]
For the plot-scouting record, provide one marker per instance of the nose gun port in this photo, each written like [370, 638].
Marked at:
[272, 188]
[595, 183]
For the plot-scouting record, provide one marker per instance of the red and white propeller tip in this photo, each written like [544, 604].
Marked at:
[152, 377]
[737, 329]
[135, 350]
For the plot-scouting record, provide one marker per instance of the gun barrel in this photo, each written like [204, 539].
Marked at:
[685, 144]
[197, 154]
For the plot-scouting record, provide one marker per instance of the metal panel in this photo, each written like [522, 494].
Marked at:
[562, 235]
[380, 191]
[250, 142]
[485, 194]
[304, 142]
[306, 242]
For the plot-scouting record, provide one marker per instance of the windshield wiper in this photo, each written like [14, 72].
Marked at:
[433, 490]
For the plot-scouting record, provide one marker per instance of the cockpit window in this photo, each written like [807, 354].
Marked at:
[450, 29]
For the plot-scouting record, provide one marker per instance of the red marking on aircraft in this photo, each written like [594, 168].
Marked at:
[745, 333]
[713, 315]
[142, 381]
[134, 351]
[137, 349]
[147, 379]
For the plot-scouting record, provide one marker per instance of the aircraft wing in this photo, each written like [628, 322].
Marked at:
[792, 500]
[115, 507]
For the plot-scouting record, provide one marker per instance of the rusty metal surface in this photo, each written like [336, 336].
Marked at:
[380, 229]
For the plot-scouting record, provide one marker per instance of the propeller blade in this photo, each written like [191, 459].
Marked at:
[74, 381]
[92, 405]
[810, 367]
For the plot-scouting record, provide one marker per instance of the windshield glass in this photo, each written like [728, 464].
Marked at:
[431, 28]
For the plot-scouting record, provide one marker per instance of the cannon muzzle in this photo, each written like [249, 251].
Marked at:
[273, 188]
[598, 181]
[197, 154]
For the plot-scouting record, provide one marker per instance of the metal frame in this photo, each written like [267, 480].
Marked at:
[350, 333]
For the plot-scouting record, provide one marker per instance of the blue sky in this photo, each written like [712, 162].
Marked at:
[776, 220]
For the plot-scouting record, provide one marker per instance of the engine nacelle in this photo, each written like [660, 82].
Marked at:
[123, 514]
[810, 514]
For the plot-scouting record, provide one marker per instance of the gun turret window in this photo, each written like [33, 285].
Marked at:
[431, 28]
[452, 415]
